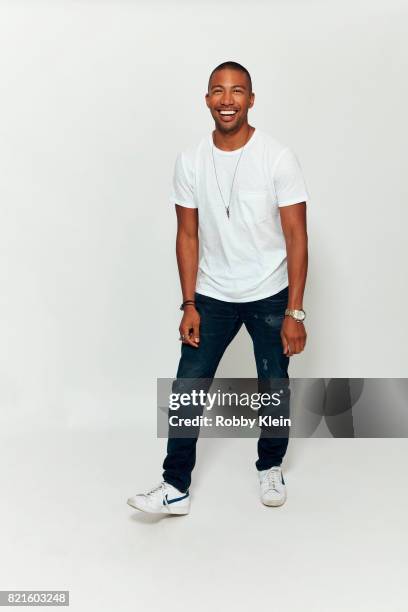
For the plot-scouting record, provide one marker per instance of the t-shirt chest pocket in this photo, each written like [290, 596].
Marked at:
[254, 206]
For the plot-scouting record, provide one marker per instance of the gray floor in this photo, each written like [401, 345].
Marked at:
[338, 544]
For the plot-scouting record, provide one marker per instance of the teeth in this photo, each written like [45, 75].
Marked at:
[227, 112]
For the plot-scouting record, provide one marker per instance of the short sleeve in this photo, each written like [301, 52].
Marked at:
[182, 187]
[290, 187]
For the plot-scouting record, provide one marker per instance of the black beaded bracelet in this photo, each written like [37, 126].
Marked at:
[186, 302]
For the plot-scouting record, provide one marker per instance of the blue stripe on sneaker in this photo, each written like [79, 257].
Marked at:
[175, 499]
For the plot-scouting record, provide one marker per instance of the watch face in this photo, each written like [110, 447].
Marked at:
[300, 315]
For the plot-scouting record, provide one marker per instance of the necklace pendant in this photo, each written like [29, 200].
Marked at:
[227, 212]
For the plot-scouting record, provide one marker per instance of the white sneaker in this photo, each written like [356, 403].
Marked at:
[164, 499]
[273, 490]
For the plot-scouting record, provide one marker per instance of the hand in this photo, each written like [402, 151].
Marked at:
[190, 326]
[293, 336]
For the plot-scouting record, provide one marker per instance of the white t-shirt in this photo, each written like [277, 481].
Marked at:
[241, 258]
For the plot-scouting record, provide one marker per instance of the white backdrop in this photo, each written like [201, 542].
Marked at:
[96, 99]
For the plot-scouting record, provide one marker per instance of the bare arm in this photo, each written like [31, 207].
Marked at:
[187, 249]
[187, 261]
[293, 220]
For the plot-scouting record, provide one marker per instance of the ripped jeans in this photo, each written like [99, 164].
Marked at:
[220, 321]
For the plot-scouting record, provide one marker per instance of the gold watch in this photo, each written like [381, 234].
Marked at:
[298, 315]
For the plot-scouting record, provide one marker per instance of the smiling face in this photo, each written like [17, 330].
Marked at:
[229, 99]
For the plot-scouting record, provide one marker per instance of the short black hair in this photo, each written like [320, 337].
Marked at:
[233, 66]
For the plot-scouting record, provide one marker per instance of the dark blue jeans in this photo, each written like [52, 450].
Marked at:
[220, 321]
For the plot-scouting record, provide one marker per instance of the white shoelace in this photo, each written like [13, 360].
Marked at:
[273, 478]
[162, 487]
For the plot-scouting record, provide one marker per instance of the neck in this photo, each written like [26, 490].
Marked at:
[233, 140]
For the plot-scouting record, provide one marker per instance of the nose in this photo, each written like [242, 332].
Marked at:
[227, 99]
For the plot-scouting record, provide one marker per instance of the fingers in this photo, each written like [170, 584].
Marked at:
[187, 337]
[285, 345]
[196, 332]
[293, 344]
[189, 333]
[190, 338]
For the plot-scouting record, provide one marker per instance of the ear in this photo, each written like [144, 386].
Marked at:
[251, 100]
[206, 99]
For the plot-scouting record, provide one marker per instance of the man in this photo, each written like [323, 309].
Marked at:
[240, 196]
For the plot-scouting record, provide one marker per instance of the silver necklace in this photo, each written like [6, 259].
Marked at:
[227, 208]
